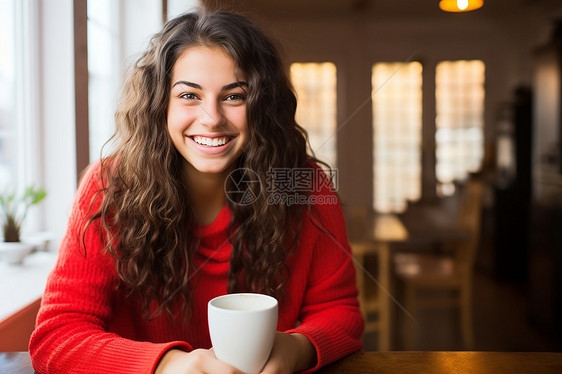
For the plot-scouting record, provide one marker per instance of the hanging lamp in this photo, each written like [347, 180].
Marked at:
[460, 5]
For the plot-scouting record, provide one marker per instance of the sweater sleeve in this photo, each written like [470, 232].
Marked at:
[70, 334]
[330, 316]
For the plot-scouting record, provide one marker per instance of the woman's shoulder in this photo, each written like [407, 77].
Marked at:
[93, 178]
[98, 172]
[324, 178]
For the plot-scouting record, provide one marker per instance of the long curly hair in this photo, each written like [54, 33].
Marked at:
[146, 217]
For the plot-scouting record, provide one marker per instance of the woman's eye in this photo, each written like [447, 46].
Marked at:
[235, 97]
[188, 96]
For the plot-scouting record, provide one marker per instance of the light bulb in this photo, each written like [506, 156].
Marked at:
[460, 5]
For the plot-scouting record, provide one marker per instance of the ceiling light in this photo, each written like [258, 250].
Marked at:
[460, 5]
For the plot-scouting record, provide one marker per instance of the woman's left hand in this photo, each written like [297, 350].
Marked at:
[290, 353]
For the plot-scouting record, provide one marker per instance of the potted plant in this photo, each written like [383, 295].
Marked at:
[13, 211]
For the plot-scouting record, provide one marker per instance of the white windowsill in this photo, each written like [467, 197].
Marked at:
[20, 285]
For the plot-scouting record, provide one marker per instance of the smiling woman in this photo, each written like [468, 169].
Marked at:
[152, 237]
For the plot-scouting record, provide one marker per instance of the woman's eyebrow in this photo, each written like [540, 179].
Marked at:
[190, 84]
[224, 88]
[234, 85]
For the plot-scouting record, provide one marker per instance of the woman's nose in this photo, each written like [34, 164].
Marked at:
[211, 114]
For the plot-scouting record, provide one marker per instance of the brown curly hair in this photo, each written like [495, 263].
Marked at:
[146, 215]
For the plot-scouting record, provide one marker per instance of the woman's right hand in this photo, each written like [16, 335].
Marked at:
[198, 361]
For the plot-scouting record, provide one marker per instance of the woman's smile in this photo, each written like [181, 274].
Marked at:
[212, 145]
[211, 142]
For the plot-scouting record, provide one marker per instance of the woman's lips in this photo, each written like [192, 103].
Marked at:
[212, 145]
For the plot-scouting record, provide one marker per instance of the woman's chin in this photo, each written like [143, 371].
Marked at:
[214, 168]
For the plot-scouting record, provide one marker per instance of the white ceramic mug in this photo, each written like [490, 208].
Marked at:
[242, 328]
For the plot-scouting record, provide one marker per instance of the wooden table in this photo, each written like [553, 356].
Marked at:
[396, 363]
[447, 363]
[372, 236]
[15, 363]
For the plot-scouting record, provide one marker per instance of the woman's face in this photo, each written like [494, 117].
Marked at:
[207, 109]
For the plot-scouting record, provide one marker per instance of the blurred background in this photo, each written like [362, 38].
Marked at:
[411, 104]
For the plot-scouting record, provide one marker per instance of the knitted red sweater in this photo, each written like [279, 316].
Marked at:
[86, 326]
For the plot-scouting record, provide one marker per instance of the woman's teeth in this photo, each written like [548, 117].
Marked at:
[211, 142]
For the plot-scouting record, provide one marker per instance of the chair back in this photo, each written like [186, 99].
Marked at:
[470, 219]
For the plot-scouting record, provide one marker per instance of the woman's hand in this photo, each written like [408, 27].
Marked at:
[198, 361]
[290, 353]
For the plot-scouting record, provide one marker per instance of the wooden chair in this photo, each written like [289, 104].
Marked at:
[16, 330]
[373, 280]
[373, 273]
[451, 276]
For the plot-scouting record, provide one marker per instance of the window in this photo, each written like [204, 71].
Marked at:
[459, 121]
[397, 129]
[7, 97]
[315, 86]
[118, 31]
[103, 72]
[18, 105]
[397, 124]
[177, 7]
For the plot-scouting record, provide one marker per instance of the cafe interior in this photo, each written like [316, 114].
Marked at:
[443, 128]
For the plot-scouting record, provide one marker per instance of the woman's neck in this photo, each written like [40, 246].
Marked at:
[207, 193]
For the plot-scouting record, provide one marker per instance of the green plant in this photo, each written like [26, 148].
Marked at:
[14, 210]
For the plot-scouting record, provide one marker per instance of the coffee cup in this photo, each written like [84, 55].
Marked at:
[242, 328]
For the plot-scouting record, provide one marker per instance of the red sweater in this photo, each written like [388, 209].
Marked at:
[86, 326]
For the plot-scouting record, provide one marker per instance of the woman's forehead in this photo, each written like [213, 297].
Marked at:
[206, 65]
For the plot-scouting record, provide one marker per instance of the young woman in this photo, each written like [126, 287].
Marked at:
[209, 191]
